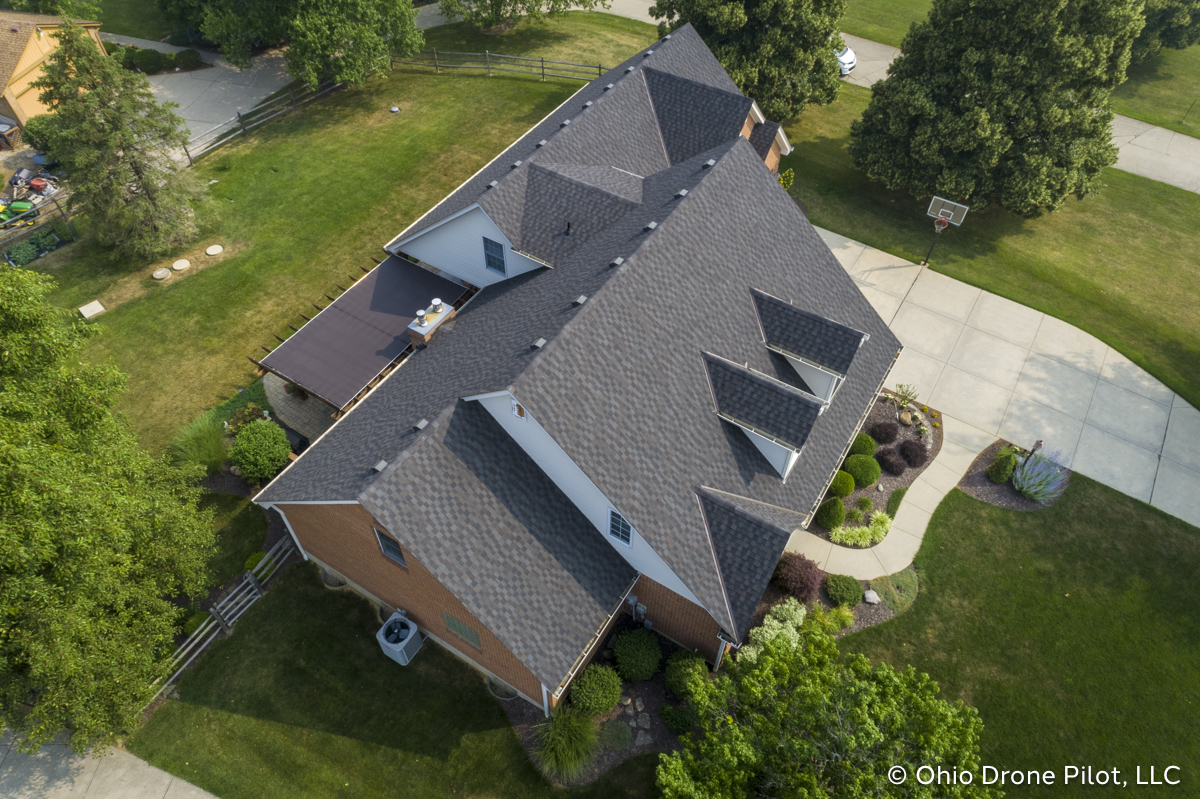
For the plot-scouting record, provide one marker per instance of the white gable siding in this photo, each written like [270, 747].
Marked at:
[779, 456]
[570, 479]
[822, 383]
[456, 247]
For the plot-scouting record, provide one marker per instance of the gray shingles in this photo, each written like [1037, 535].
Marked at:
[807, 334]
[763, 136]
[692, 116]
[755, 400]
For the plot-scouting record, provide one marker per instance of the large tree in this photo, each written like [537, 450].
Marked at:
[95, 534]
[117, 145]
[347, 40]
[494, 13]
[1000, 101]
[1169, 23]
[791, 717]
[783, 53]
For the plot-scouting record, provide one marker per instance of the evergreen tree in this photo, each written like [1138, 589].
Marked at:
[783, 53]
[494, 13]
[1169, 23]
[1000, 101]
[116, 144]
[95, 534]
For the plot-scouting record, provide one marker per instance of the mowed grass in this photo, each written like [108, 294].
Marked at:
[140, 18]
[1073, 630]
[1163, 91]
[304, 203]
[300, 702]
[241, 530]
[1120, 265]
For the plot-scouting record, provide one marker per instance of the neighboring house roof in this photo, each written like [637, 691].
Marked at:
[767, 405]
[806, 334]
[620, 383]
[15, 29]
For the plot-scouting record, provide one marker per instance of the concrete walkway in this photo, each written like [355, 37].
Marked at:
[55, 772]
[1143, 149]
[997, 369]
[208, 97]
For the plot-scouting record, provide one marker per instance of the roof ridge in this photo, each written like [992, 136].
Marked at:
[584, 183]
[775, 382]
[696, 83]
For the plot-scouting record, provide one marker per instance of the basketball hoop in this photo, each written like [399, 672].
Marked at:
[940, 224]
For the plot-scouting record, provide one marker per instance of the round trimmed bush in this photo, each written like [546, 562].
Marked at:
[914, 452]
[798, 576]
[831, 513]
[885, 432]
[597, 690]
[863, 468]
[1001, 468]
[891, 462]
[188, 59]
[863, 445]
[842, 485]
[843, 589]
[260, 450]
[148, 61]
[681, 669]
[638, 654]
[168, 62]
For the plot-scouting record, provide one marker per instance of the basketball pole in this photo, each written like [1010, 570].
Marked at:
[939, 225]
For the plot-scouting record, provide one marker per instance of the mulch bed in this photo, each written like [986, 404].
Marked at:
[975, 483]
[864, 615]
[884, 410]
[652, 694]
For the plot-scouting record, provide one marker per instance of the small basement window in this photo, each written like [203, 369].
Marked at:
[391, 547]
[461, 630]
[619, 528]
[493, 255]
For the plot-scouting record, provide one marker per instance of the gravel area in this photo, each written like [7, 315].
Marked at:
[976, 483]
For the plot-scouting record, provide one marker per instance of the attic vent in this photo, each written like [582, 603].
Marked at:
[649, 226]
[709, 163]
[580, 300]
[609, 86]
[518, 410]
[680, 194]
[379, 467]
[616, 261]
[516, 164]
[492, 185]
[564, 123]
[542, 143]
[421, 425]
[668, 36]
[629, 69]
[588, 104]
[647, 54]
[537, 345]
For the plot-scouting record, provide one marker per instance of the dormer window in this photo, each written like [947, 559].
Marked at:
[618, 528]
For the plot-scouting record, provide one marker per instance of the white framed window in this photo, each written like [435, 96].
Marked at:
[493, 256]
[618, 528]
[391, 547]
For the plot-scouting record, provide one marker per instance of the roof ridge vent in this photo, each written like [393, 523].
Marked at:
[421, 425]
[493, 184]
[588, 104]
[609, 86]
[709, 163]
[537, 345]
[647, 54]
[616, 261]
[542, 143]
[516, 164]
[564, 123]
[649, 227]
[628, 69]
[379, 467]
[668, 36]
[580, 300]
[679, 195]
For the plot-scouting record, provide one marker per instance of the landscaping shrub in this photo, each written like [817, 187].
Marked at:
[842, 616]
[1001, 467]
[894, 501]
[253, 560]
[188, 59]
[906, 393]
[865, 504]
[863, 445]
[881, 524]
[168, 62]
[891, 462]
[565, 742]
[831, 513]
[616, 735]
[62, 229]
[842, 485]
[23, 253]
[260, 451]
[679, 719]
[597, 690]
[250, 412]
[854, 515]
[201, 442]
[45, 240]
[863, 468]
[884, 432]
[194, 621]
[1040, 478]
[897, 590]
[117, 53]
[39, 132]
[683, 667]
[843, 589]
[914, 452]
[786, 178]
[798, 576]
[638, 654]
[147, 60]
[863, 536]
[786, 619]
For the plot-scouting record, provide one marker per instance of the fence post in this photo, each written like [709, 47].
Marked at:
[436, 69]
[240, 122]
[543, 70]
[292, 97]
[189, 156]
[216, 614]
[599, 70]
[488, 57]
[254, 582]
[70, 224]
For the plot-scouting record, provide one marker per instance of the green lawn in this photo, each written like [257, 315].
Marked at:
[300, 702]
[304, 203]
[141, 18]
[1073, 630]
[1120, 265]
[241, 530]
[884, 21]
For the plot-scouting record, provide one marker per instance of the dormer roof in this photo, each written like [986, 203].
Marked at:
[761, 403]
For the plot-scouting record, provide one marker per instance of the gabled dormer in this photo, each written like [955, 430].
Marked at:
[776, 417]
[819, 349]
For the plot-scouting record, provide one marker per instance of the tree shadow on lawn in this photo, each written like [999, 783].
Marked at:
[306, 657]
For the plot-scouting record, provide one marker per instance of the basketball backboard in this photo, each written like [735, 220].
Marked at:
[955, 213]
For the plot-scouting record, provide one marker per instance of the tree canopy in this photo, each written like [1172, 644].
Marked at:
[783, 53]
[116, 144]
[792, 717]
[1169, 23]
[1003, 102]
[95, 534]
[494, 13]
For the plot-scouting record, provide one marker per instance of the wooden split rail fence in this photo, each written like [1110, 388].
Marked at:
[496, 62]
[229, 609]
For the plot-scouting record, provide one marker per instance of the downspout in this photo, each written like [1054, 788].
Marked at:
[288, 525]
[545, 701]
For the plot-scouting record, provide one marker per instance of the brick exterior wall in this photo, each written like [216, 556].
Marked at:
[341, 538]
[684, 622]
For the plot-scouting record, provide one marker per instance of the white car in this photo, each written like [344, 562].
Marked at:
[847, 61]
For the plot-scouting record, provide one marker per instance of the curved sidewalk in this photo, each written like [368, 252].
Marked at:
[998, 369]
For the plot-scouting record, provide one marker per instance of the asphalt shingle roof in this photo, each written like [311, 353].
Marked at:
[764, 403]
[763, 136]
[692, 116]
[807, 334]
